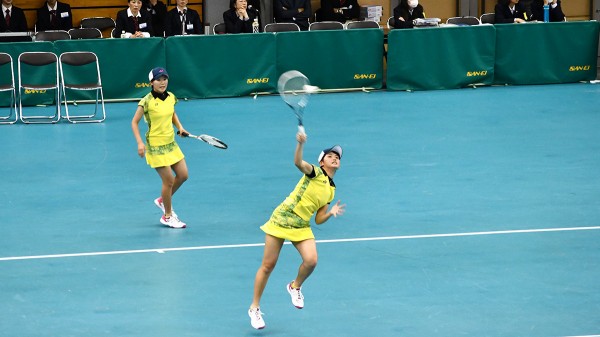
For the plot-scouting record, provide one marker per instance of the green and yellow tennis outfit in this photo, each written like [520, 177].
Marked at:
[291, 219]
[161, 148]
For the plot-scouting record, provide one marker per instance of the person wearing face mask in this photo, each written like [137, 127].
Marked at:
[406, 12]
[510, 11]
[338, 10]
[556, 13]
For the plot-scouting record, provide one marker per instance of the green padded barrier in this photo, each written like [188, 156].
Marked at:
[124, 64]
[335, 58]
[221, 65]
[540, 53]
[440, 58]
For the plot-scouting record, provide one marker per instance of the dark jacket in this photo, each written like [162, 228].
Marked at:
[402, 11]
[537, 11]
[18, 22]
[193, 24]
[127, 24]
[64, 18]
[326, 12]
[287, 11]
[158, 13]
[234, 25]
[504, 15]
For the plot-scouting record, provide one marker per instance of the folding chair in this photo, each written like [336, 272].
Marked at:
[82, 63]
[100, 23]
[281, 27]
[390, 22]
[6, 66]
[219, 28]
[32, 68]
[488, 18]
[326, 25]
[362, 24]
[52, 35]
[85, 33]
[463, 21]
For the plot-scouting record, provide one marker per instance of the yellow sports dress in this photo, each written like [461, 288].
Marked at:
[291, 219]
[161, 148]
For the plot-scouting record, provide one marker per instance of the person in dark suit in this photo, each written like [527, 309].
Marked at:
[183, 21]
[133, 21]
[13, 18]
[556, 13]
[54, 15]
[510, 11]
[338, 10]
[239, 18]
[294, 11]
[158, 12]
[406, 12]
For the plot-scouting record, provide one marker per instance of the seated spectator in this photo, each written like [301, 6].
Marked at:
[294, 11]
[158, 12]
[54, 15]
[556, 13]
[239, 18]
[338, 10]
[510, 11]
[406, 12]
[14, 18]
[183, 21]
[133, 21]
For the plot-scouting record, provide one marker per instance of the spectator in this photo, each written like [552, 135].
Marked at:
[239, 18]
[510, 11]
[158, 12]
[14, 18]
[54, 15]
[133, 21]
[294, 11]
[406, 12]
[183, 21]
[556, 13]
[338, 10]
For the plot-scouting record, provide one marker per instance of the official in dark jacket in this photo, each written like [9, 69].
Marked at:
[13, 18]
[510, 11]
[295, 11]
[54, 15]
[183, 21]
[556, 13]
[338, 10]
[133, 21]
[158, 12]
[406, 12]
[239, 18]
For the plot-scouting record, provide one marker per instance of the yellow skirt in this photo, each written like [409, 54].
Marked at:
[287, 225]
[163, 155]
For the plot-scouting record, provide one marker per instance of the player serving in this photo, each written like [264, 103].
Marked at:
[291, 221]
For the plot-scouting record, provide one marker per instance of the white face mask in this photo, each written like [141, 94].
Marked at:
[413, 3]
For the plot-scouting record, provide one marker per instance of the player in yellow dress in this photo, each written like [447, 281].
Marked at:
[160, 149]
[291, 221]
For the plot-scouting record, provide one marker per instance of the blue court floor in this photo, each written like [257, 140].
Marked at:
[472, 212]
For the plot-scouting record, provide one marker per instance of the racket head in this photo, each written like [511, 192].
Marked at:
[214, 141]
[292, 87]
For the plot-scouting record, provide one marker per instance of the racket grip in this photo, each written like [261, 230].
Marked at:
[301, 129]
[185, 134]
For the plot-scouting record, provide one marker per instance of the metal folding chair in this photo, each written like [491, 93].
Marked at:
[326, 25]
[277, 27]
[219, 28]
[6, 66]
[101, 23]
[85, 33]
[362, 24]
[52, 35]
[488, 18]
[87, 69]
[34, 70]
[463, 21]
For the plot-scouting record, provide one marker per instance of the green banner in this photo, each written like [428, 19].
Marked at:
[37, 75]
[334, 59]
[440, 58]
[124, 64]
[540, 53]
[221, 65]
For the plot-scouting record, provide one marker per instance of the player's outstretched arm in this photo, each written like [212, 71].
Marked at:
[323, 214]
[302, 165]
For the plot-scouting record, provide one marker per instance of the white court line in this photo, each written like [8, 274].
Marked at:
[401, 237]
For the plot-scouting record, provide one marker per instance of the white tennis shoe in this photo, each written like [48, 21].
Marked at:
[159, 203]
[172, 222]
[296, 294]
[256, 319]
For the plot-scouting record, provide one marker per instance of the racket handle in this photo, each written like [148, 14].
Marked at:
[301, 129]
[185, 134]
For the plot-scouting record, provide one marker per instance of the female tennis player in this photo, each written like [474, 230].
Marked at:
[161, 151]
[291, 221]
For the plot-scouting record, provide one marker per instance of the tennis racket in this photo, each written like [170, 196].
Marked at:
[216, 142]
[295, 89]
